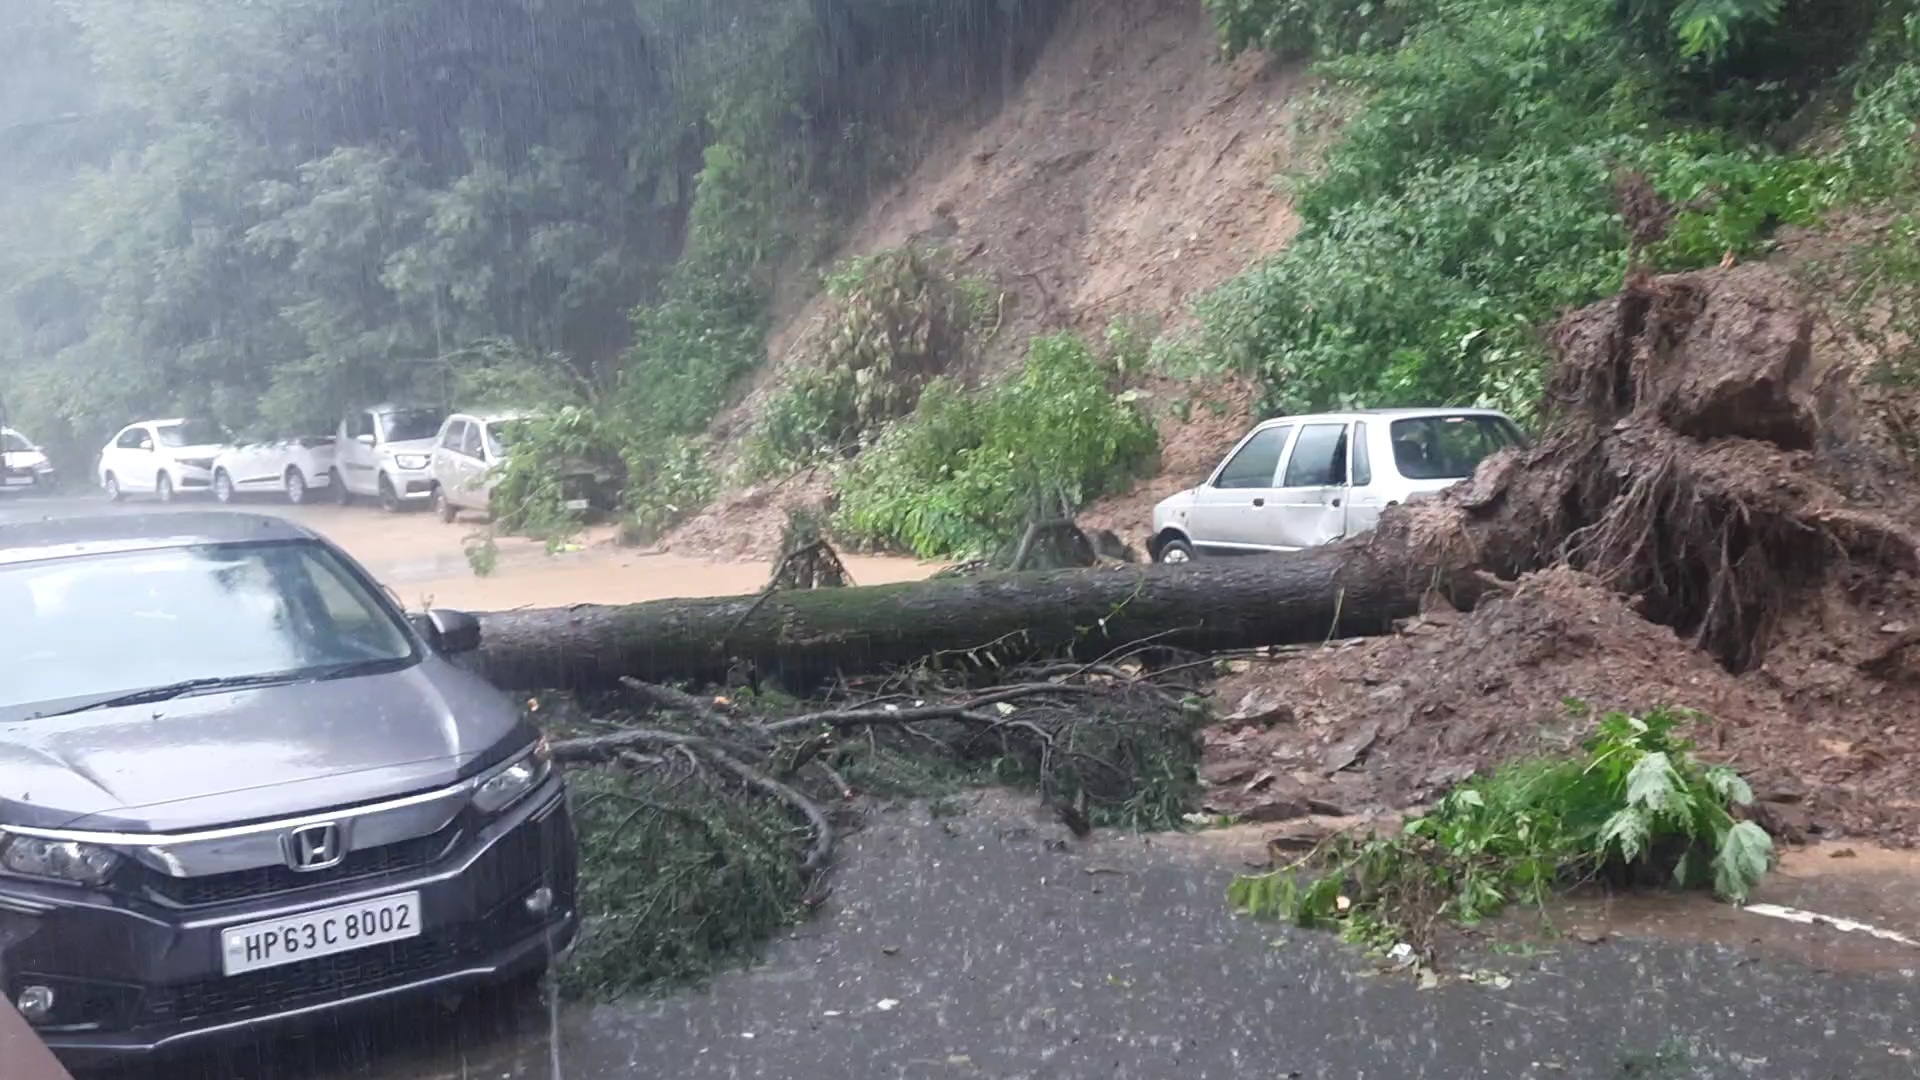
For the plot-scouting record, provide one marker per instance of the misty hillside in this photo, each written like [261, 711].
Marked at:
[926, 269]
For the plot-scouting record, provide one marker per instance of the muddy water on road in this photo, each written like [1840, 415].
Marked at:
[423, 559]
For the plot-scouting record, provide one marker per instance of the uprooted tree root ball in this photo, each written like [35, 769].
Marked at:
[1720, 541]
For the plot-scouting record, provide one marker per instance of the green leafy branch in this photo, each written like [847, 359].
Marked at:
[1635, 808]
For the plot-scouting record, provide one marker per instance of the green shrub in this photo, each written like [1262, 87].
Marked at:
[966, 471]
[900, 318]
[1635, 808]
[1472, 196]
[667, 479]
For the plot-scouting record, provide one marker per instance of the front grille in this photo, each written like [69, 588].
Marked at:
[274, 880]
[327, 979]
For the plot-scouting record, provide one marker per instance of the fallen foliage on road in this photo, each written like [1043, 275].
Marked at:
[709, 821]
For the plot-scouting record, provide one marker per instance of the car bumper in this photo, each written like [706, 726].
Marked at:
[26, 481]
[412, 485]
[133, 978]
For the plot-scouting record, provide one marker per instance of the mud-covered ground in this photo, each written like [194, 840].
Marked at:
[423, 559]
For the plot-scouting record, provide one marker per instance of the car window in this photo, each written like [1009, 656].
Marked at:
[1447, 447]
[185, 613]
[131, 438]
[502, 435]
[1319, 456]
[405, 425]
[193, 433]
[1257, 461]
[14, 442]
[470, 441]
[361, 424]
[456, 430]
[1362, 457]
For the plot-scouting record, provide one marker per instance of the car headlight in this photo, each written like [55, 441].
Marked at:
[511, 783]
[197, 462]
[59, 860]
[412, 461]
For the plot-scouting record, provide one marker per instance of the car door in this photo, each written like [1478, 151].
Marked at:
[1365, 500]
[132, 460]
[446, 459]
[1310, 507]
[473, 468]
[1228, 511]
[357, 455]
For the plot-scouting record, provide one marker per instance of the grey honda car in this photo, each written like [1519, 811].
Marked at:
[241, 789]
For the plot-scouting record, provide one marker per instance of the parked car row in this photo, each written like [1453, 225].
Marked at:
[401, 456]
[1300, 481]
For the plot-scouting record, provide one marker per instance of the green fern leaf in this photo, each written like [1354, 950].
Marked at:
[1727, 784]
[1745, 853]
[1627, 832]
[1654, 785]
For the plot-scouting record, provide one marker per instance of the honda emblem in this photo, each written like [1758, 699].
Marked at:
[315, 847]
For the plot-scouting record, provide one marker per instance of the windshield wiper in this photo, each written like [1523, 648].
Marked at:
[170, 691]
[373, 665]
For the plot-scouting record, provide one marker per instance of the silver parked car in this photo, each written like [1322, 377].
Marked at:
[472, 451]
[1300, 481]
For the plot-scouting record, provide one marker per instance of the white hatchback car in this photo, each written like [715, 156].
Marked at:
[467, 459]
[163, 458]
[1300, 481]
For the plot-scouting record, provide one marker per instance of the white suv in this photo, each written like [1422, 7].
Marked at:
[1301, 481]
[162, 458]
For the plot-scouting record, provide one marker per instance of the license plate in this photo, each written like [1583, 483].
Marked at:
[578, 504]
[320, 933]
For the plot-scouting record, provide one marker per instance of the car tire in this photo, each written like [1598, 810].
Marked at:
[223, 486]
[1174, 552]
[341, 496]
[111, 484]
[163, 488]
[443, 506]
[389, 498]
[296, 486]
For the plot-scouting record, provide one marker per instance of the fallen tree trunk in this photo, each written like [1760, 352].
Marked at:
[799, 638]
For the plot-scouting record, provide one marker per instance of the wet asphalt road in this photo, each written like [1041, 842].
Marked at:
[986, 946]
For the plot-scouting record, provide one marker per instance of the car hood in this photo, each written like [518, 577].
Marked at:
[204, 761]
[24, 459]
[413, 446]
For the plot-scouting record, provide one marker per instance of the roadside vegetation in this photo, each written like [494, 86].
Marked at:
[1475, 189]
[1635, 808]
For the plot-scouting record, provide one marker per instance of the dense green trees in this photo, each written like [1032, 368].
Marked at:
[281, 206]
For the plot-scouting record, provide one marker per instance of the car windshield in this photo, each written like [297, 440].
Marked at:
[117, 623]
[14, 442]
[1448, 447]
[406, 425]
[504, 435]
[193, 433]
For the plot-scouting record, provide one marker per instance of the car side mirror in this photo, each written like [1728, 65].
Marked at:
[451, 632]
[363, 440]
[146, 444]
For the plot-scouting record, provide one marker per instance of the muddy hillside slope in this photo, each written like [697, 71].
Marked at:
[1701, 525]
[1133, 169]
